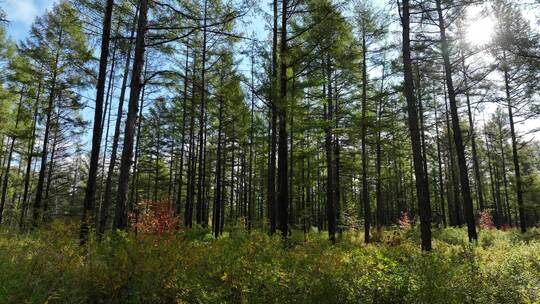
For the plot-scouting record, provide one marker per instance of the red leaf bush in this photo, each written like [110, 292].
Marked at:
[404, 221]
[155, 218]
[485, 220]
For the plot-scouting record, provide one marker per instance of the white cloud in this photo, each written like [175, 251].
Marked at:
[23, 11]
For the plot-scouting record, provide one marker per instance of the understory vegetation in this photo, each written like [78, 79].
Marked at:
[48, 266]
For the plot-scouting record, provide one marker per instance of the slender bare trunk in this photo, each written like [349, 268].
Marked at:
[120, 219]
[420, 176]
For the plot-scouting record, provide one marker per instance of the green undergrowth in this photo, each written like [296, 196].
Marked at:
[48, 266]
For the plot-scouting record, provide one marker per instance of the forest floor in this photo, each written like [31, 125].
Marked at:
[48, 266]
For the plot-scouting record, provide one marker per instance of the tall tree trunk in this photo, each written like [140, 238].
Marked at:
[202, 123]
[303, 209]
[291, 154]
[10, 155]
[439, 162]
[231, 197]
[251, 131]
[89, 195]
[158, 152]
[30, 154]
[337, 160]
[242, 187]
[16, 197]
[204, 205]
[423, 134]
[330, 174]
[271, 191]
[188, 215]
[421, 184]
[133, 200]
[283, 177]
[504, 174]
[309, 198]
[365, 189]
[104, 210]
[51, 168]
[183, 135]
[218, 204]
[2, 156]
[515, 156]
[223, 183]
[494, 189]
[107, 112]
[477, 175]
[36, 213]
[420, 102]
[378, 161]
[455, 212]
[120, 218]
[460, 149]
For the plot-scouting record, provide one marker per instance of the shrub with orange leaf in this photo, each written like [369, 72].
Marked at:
[485, 220]
[155, 218]
[404, 221]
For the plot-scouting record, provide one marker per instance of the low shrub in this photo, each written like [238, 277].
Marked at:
[194, 267]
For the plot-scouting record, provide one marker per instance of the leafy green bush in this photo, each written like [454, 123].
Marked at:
[48, 266]
[451, 236]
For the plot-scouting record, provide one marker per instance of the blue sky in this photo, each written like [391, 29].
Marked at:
[21, 14]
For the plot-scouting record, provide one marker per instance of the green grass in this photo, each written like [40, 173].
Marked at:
[48, 267]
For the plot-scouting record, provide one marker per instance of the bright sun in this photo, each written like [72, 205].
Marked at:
[480, 28]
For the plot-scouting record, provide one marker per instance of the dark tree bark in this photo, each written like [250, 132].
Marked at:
[120, 218]
[365, 189]
[455, 212]
[183, 136]
[158, 154]
[231, 196]
[133, 200]
[30, 154]
[51, 168]
[89, 195]
[421, 184]
[108, 110]
[501, 144]
[36, 212]
[291, 155]
[10, 156]
[472, 134]
[494, 181]
[515, 156]
[251, 134]
[303, 209]
[440, 170]
[460, 149]
[271, 191]
[240, 208]
[337, 161]
[218, 204]
[422, 130]
[283, 176]
[378, 151]
[329, 146]
[204, 205]
[2, 156]
[202, 124]
[104, 210]
[188, 214]
[223, 199]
